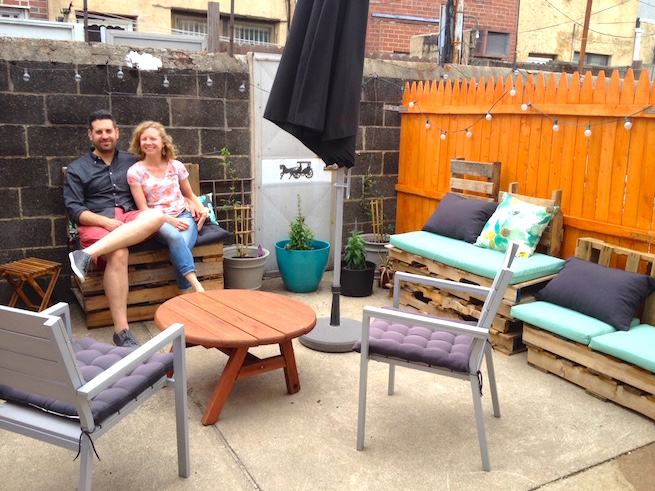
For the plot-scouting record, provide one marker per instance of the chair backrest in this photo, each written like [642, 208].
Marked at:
[479, 180]
[498, 287]
[36, 356]
[551, 239]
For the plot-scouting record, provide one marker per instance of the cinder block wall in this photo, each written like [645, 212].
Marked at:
[43, 127]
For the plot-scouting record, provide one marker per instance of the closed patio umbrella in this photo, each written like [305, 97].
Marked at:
[315, 97]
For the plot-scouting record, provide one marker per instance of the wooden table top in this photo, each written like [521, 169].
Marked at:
[236, 318]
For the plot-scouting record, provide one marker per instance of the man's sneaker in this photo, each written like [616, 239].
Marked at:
[80, 261]
[125, 339]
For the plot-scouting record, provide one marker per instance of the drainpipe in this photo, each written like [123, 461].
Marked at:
[638, 31]
[458, 34]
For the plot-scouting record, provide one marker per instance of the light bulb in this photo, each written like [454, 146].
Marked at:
[120, 73]
[411, 104]
[488, 117]
[524, 107]
[443, 135]
[26, 76]
[556, 126]
[468, 133]
[445, 76]
[587, 132]
[166, 82]
[628, 124]
[78, 77]
[512, 91]
[210, 82]
[242, 87]
[427, 124]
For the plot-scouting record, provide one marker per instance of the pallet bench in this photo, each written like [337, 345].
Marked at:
[151, 277]
[602, 375]
[478, 180]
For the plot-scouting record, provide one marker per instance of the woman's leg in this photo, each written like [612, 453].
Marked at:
[181, 257]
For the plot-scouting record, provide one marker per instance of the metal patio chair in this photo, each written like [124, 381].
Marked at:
[70, 393]
[443, 346]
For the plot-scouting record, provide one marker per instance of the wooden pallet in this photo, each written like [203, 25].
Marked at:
[152, 282]
[601, 375]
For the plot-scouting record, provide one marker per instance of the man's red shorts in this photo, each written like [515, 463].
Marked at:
[90, 234]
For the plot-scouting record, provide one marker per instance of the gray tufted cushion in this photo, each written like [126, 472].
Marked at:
[93, 358]
[419, 344]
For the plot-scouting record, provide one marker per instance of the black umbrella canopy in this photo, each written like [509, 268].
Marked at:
[316, 93]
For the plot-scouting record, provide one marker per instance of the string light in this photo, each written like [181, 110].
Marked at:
[524, 106]
[468, 133]
[427, 124]
[78, 77]
[556, 126]
[210, 82]
[587, 132]
[443, 135]
[411, 104]
[488, 117]
[512, 91]
[445, 76]
[166, 82]
[242, 87]
[628, 124]
[120, 73]
[26, 76]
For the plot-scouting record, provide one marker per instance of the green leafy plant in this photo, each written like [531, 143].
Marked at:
[355, 251]
[300, 235]
[231, 175]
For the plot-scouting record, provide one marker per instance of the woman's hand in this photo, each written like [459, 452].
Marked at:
[201, 217]
[181, 225]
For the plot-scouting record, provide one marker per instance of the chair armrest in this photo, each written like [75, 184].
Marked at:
[174, 333]
[436, 283]
[424, 320]
[62, 310]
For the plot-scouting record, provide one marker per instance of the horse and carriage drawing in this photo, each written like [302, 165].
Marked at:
[297, 171]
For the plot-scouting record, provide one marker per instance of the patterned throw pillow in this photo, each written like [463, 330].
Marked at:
[206, 200]
[516, 221]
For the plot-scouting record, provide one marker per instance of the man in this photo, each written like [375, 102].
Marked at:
[98, 199]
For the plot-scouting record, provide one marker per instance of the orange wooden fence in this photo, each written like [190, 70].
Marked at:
[607, 179]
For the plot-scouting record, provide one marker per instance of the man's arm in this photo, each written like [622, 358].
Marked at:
[76, 207]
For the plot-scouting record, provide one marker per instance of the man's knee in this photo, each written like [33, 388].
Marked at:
[151, 217]
[117, 258]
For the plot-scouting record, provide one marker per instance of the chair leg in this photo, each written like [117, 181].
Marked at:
[86, 464]
[492, 380]
[392, 379]
[361, 415]
[479, 420]
[181, 409]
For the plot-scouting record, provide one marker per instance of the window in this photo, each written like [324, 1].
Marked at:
[252, 32]
[98, 23]
[190, 24]
[540, 58]
[592, 59]
[14, 12]
[493, 44]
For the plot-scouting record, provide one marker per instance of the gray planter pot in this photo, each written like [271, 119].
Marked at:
[375, 249]
[245, 273]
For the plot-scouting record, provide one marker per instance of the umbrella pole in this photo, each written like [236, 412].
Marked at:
[334, 334]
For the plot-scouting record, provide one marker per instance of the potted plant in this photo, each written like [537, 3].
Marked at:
[243, 262]
[356, 272]
[372, 204]
[385, 272]
[301, 258]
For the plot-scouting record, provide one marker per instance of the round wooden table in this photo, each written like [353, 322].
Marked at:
[234, 321]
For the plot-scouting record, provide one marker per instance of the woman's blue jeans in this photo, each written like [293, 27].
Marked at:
[180, 243]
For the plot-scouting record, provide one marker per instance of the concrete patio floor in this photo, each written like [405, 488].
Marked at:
[551, 436]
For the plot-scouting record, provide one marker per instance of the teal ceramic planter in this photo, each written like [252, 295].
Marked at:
[302, 271]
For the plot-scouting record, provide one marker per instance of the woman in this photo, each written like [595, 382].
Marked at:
[159, 181]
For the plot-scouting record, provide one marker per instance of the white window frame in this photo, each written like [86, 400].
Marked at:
[588, 56]
[14, 12]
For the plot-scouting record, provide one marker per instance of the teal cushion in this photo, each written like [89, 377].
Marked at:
[561, 321]
[635, 346]
[468, 257]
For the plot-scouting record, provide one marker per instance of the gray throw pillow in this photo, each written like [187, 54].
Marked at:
[460, 218]
[607, 294]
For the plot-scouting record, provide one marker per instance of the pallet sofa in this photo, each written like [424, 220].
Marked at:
[583, 347]
[439, 256]
[151, 276]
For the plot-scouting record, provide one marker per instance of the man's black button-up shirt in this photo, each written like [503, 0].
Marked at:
[92, 185]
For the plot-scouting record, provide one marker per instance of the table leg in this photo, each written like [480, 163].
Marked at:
[224, 386]
[18, 291]
[49, 290]
[290, 368]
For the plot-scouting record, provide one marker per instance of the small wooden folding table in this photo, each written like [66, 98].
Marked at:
[27, 271]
